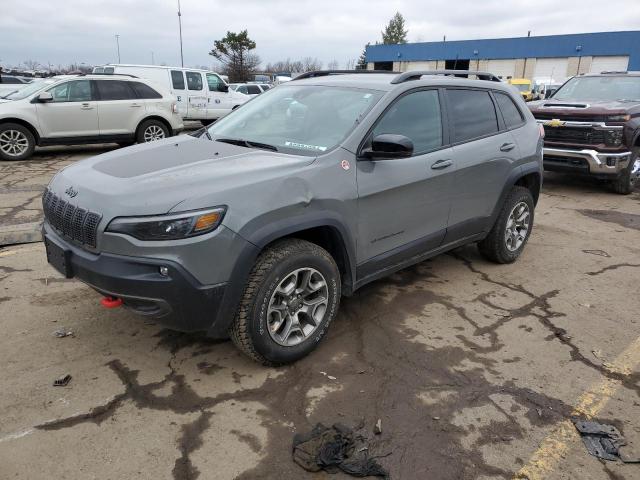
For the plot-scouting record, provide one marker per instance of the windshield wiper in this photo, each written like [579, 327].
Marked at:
[248, 143]
[202, 131]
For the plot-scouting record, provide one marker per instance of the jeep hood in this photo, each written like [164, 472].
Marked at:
[157, 178]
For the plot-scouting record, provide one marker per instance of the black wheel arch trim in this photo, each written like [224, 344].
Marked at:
[256, 243]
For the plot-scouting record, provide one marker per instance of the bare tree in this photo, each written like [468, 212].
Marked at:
[310, 64]
[333, 65]
[31, 64]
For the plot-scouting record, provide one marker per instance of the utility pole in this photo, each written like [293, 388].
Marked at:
[118, 44]
[152, 59]
[180, 26]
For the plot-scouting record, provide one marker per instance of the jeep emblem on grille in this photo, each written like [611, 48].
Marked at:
[71, 192]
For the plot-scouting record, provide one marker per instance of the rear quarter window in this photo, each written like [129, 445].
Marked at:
[472, 113]
[510, 112]
[144, 91]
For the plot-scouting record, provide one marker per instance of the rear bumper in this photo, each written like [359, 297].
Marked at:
[587, 161]
[176, 300]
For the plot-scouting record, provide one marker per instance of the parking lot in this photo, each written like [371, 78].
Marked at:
[474, 369]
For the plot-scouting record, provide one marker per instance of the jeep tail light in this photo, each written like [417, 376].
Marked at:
[541, 128]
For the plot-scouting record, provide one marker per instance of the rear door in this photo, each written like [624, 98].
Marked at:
[119, 109]
[404, 203]
[179, 90]
[197, 96]
[72, 113]
[484, 152]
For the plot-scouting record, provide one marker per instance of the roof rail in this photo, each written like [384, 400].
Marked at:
[417, 74]
[108, 74]
[326, 73]
[612, 72]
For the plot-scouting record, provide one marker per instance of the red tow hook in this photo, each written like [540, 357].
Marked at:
[111, 302]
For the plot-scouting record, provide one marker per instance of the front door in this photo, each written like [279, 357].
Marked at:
[404, 203]
[218, 102]
[197, 96]
[73, 111]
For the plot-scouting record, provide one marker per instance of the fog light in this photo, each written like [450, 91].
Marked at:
[164, 271]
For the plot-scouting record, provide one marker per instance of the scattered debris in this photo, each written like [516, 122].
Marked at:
[585, 305]
[377, 429]
[604, 441]
[600, 253]
[330, 377]
[333, 449]
[63, 332]
[436, 418]
[62, 381]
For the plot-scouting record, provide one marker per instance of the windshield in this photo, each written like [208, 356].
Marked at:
[522, 87]
[30, 88]
[304, 120]
[605, 88]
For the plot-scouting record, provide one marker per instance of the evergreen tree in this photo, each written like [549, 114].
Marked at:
[394, 31]
[362, 60]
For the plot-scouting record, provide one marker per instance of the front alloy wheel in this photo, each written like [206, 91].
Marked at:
[297, 306]
[16, 142]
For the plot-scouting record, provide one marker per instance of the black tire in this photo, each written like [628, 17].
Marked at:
[250, 328]
[146, 127]
[125, 144]
[627, 181]
[495, 247]
[18, 133]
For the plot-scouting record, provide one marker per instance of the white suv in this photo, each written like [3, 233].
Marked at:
[85, 109]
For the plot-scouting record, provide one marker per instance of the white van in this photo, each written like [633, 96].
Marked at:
[200, 94]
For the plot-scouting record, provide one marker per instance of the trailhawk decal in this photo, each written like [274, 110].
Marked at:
[305, 146]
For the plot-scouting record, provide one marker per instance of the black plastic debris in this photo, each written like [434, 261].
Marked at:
[62, 381]
[604, 441]
[333, 449]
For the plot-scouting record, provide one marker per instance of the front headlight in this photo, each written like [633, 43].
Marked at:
[613, 137]
[169, 227]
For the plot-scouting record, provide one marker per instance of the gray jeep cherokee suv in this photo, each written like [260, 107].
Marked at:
[256, 226]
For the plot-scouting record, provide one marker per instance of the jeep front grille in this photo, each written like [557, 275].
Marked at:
[587, 136]
[73, 222]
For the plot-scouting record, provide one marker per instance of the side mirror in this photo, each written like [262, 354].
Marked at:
[223, 87]
[389, 146]
[45, 97]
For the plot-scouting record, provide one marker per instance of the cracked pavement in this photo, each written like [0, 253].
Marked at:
[469, 365]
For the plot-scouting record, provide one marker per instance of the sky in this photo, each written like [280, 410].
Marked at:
[77, 31]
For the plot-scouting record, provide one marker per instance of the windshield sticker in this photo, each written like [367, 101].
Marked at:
[305, 146]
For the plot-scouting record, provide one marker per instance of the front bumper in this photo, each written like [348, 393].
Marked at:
[586, 161]
[176, 300]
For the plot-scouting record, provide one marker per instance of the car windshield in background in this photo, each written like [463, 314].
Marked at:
[305, 120]
[29, 89]
[604, 88]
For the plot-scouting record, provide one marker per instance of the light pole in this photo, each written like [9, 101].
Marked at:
[118, 45]
[180, 26]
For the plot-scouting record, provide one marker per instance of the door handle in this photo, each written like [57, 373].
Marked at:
[507, 147]
[86, 106]
[135, 105]
[440, 164]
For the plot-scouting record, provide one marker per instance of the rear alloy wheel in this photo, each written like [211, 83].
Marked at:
[628, 179]
[151, 131]
[16, 142]
[508, 237]
[291, 297]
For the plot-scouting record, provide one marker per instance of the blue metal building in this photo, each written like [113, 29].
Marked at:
[526, 56]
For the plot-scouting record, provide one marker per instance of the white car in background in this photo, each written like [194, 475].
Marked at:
[201, 95]
[250, 89]
[12, 83]
[83, 109]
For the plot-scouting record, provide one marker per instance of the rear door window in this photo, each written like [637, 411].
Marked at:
[115, 90]
[254, 90]
[144, 91]
[177, 79]
[416, 116]
[472, 113]
[194, 81]
[512, 116]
